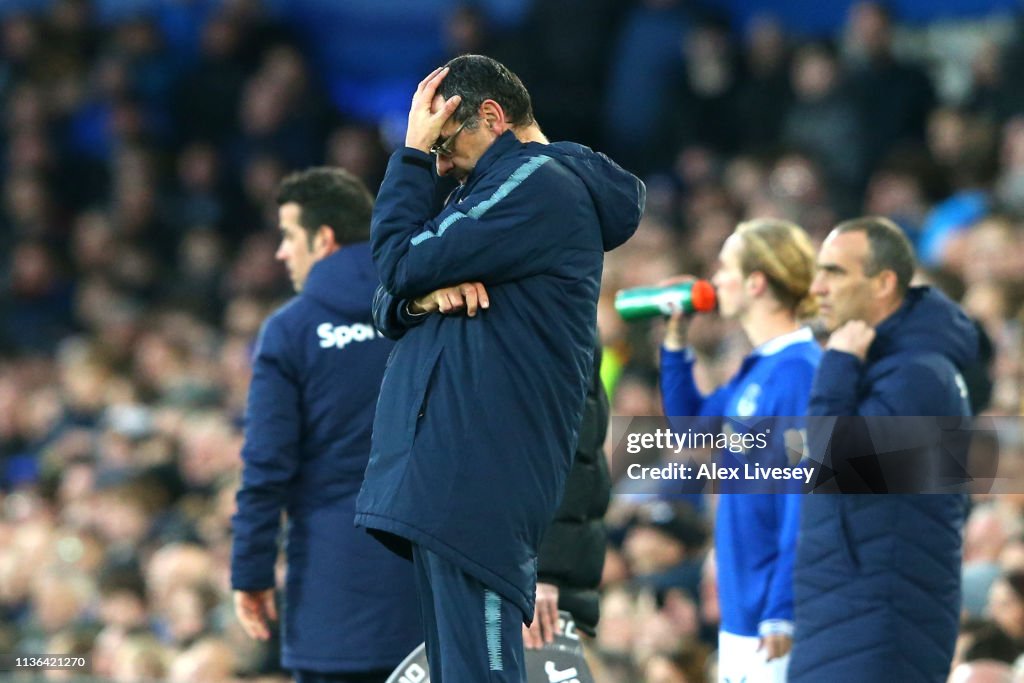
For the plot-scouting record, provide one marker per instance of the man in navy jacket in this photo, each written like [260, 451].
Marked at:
[350, 605]
[479, 416]
[877, 578]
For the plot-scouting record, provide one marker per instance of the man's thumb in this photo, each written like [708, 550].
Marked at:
[271, 605]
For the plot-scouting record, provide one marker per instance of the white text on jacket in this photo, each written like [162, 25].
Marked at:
[339, 336]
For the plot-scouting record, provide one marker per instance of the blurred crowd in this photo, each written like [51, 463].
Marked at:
[137, 239]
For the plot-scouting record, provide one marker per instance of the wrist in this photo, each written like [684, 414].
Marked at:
[675, 333]
[413, 307]
[674, 342]
[414, 141]
[671, 345]
[775, 627]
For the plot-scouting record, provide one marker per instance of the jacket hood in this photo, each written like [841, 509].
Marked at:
[928, 321]
[345, 281]
[618, 195]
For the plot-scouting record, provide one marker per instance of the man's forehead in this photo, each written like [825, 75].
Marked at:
[289, 211]
[844, 247]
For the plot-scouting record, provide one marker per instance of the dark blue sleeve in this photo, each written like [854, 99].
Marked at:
[507, 228]
[835, 387]
[270, 460]
[391, 315]
[855, 437]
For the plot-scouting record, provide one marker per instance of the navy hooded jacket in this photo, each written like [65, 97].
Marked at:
[349, 604]
[478, 417]
[877, 579]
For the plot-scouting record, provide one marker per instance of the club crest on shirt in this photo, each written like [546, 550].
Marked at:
[747, 403]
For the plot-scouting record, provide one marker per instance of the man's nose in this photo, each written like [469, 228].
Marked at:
[444, 165]
[818, 286]
[280, 254]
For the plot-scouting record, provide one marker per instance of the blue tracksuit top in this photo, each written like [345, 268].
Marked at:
[755, 533]
[349, 604]
[478, 418]
[877, 578]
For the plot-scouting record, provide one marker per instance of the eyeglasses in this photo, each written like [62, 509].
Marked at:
[444, 149]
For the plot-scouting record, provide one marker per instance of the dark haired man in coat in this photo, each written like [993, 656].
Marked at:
[479, 416]
[350, 606]
[877, 576]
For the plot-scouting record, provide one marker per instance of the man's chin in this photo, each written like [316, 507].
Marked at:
[826, 323]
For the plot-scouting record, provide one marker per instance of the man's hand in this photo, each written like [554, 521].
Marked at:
[854, 337]
[468, 297]
[675, 331]
[775, 646]
[545, 618]
[256, 609]
[424, 123]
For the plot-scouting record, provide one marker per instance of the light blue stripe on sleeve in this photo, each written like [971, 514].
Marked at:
[514, 181]
[445, 224]
[492, 628]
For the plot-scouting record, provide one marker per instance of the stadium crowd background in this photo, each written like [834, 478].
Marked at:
[140, 146]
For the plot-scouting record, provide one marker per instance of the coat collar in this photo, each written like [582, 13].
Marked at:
[505, 144]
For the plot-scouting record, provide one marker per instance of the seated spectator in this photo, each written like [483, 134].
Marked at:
[665, 546]
[122, 598]
[686, 666]
[985, 535]
[210, 660]
[822, 113]
[1006, 605]
[140, 658]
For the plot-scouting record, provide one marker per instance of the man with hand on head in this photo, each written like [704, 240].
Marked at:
[350, 606]
[479, 414]
[877, 577]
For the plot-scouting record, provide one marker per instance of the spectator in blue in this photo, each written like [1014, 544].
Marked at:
[479, 416]
[877, 578]
[350, 605]
[763, 280]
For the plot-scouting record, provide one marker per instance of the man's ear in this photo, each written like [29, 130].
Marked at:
[756, 283]
[492, 116]
[886, 284]
[324, 242]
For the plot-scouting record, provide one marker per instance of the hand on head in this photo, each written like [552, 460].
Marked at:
[425, 123]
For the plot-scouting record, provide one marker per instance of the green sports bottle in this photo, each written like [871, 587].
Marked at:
[696, 296]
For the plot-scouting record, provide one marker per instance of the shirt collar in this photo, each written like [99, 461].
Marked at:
[776, 344]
